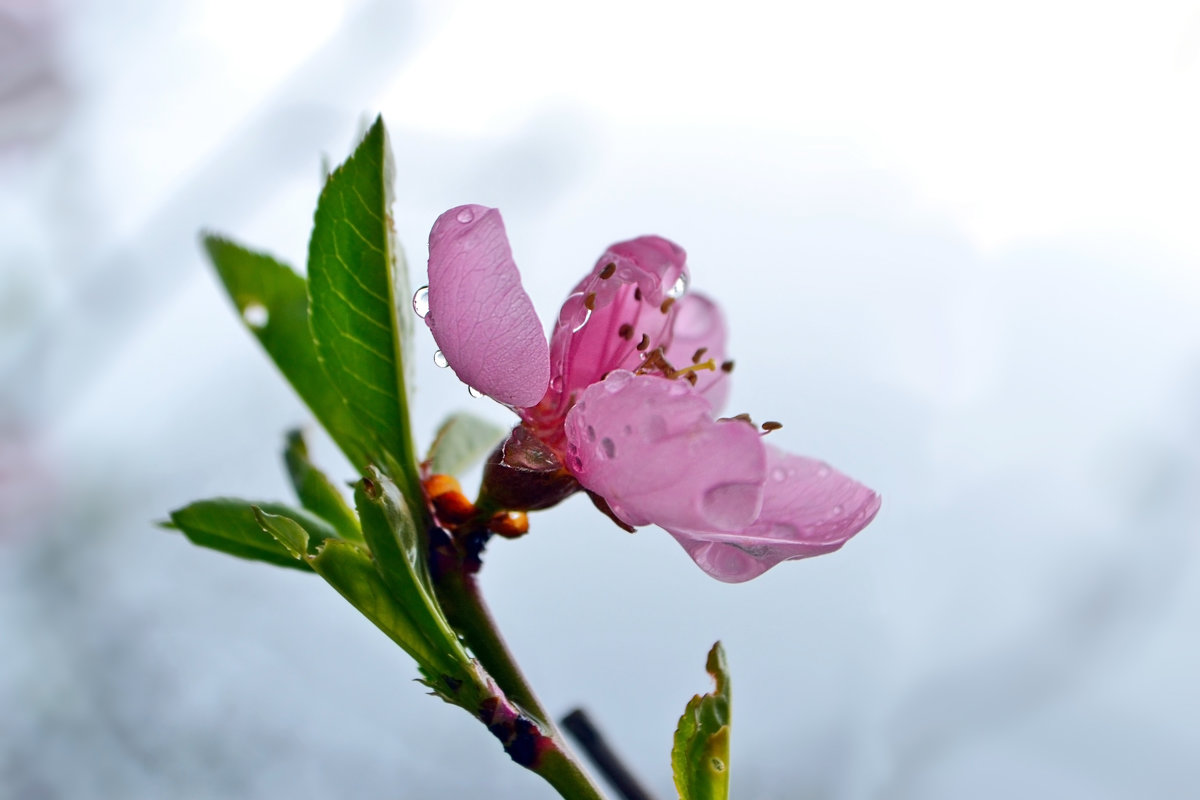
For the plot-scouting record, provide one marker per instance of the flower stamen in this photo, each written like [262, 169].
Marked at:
[608, 271]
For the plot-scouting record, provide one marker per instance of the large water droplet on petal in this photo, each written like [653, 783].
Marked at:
[420, 302]
[680, 286]
[439, 358]
[730, 506]
[465, 216]
[587, 315]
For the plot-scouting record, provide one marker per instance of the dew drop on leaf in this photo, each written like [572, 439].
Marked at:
[256, 315]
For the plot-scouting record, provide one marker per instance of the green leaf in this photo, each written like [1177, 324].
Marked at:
[273, 302]
[350, 570]
[462, 440]
[287, 532]
[398, 548]
[317, 493]
[231, 526]
[700, 757]
[359, 304]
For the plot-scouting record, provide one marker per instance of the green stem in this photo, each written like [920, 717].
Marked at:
[466, 610]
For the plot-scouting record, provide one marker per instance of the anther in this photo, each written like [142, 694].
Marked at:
[608, 271]
[637, 293]
[666, 304]
[771, 425]
[727, 366]
[625, 331]
[645, 342]
[699, 354]
[589, 302]
[691, 378]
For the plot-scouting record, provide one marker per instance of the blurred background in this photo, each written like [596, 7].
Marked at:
[957, 249]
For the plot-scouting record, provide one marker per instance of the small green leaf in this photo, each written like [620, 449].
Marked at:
[398, 548]
[273, 302]
[462, 440]
[359, 308]
[317, 493]
[350, 570]
[700, 757]
[287, 532]
[231, 526]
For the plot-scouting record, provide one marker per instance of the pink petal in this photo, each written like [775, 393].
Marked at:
[700, 330]
[587, 343]
[650, 448]
[808, 509]
[479, 314]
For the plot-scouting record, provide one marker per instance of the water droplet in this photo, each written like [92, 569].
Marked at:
[822, 471]
[591, 433]
[729, 506]
[587, 315]
[779, 474]
[256, 315]
[471, 390]
[681, 285]
[421, 302]
[465, 216]
[556, 383]
[617, 379]
[609, 448]
[836, 511]
[439, 358]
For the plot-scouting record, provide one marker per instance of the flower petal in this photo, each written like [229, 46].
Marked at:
[698, 336]
[616, 315]
[650, 448]
[479, 314]
[808, 509]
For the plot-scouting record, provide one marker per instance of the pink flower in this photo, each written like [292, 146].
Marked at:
[624, 396]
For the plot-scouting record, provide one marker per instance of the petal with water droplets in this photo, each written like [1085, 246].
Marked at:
[479, 314]
[650, 447]
[698, 335]
[809, 509]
